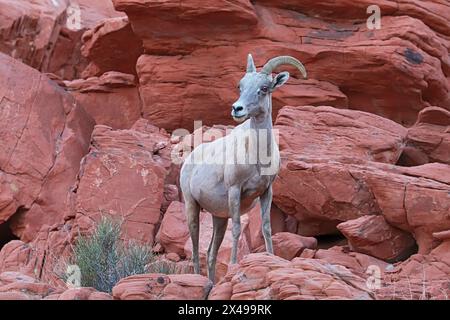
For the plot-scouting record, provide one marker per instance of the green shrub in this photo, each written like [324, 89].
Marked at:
[103, 259]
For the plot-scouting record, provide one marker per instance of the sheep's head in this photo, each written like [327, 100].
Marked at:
[256, 87]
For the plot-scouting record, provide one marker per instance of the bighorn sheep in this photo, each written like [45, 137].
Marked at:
[227, 188]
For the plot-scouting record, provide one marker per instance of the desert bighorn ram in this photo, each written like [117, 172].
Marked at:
[227, 176]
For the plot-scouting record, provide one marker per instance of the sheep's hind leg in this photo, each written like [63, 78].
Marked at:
[234, 203]
[266, 203]
[193, 212]
[219, 228]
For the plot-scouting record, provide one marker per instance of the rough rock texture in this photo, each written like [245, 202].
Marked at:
[357, 262]
[288, 245]
[429, 139]
[263, 276]
[253, 230]
[111, 45]
[374, 236]
[44, 134]
[123, 175]
[44, 258]
[412, 199]
[337, 166]
[173, 232]
[172, 105]
[180, 43]
[364, 143]
[111, 99]
[17, 286]
[345, 135]
[163, 287]
[423, 277]
[47, 34]
[314, 184]
[80, 294]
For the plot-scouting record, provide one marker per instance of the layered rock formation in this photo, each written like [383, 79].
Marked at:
[91, 90]
[47, 34]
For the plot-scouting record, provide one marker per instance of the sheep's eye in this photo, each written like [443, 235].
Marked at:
[264, 89]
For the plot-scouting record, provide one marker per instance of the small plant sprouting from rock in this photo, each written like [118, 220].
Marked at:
[103, 258]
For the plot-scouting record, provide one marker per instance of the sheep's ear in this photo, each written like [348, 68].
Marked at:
[280, 79]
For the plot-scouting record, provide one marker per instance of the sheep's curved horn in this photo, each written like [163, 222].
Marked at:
[272, 64]
[250, 64]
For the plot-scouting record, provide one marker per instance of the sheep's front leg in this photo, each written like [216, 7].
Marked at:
[266, 203]
[234, 203]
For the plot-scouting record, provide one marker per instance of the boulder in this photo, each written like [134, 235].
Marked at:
[207, 91]
[429, 139]
[421, 277]
[321, 195]
[123, 175]
[338, 165]
[82, 294]
[111, 99]
[173, 232]
[163, 287]
[111, 46]
[341, 135]
[372, 235]
[17, 286]
[47, 34]
[253, 230]
[264, 276]
[357, 263]
[44, 135]
[289, 245]
[190, 67]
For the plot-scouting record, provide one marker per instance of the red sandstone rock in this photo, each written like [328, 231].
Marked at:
[264, 276]
[121, 177]
[253, 232]
[163, 287]
[118, 161]
[205, 97]
[173, 232]
[344, 135]
[372, 235]
[83, 294]
[111, 45]
[16, 286]
[288, 245]
[356, 262]
[320, 195]
[433, 13]
[44, 134]
[171, 194]
[333, 167]
[423, 277]
[429, 139]
[111, 99]
[322, 186]
[47, 34]
[359, 61]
